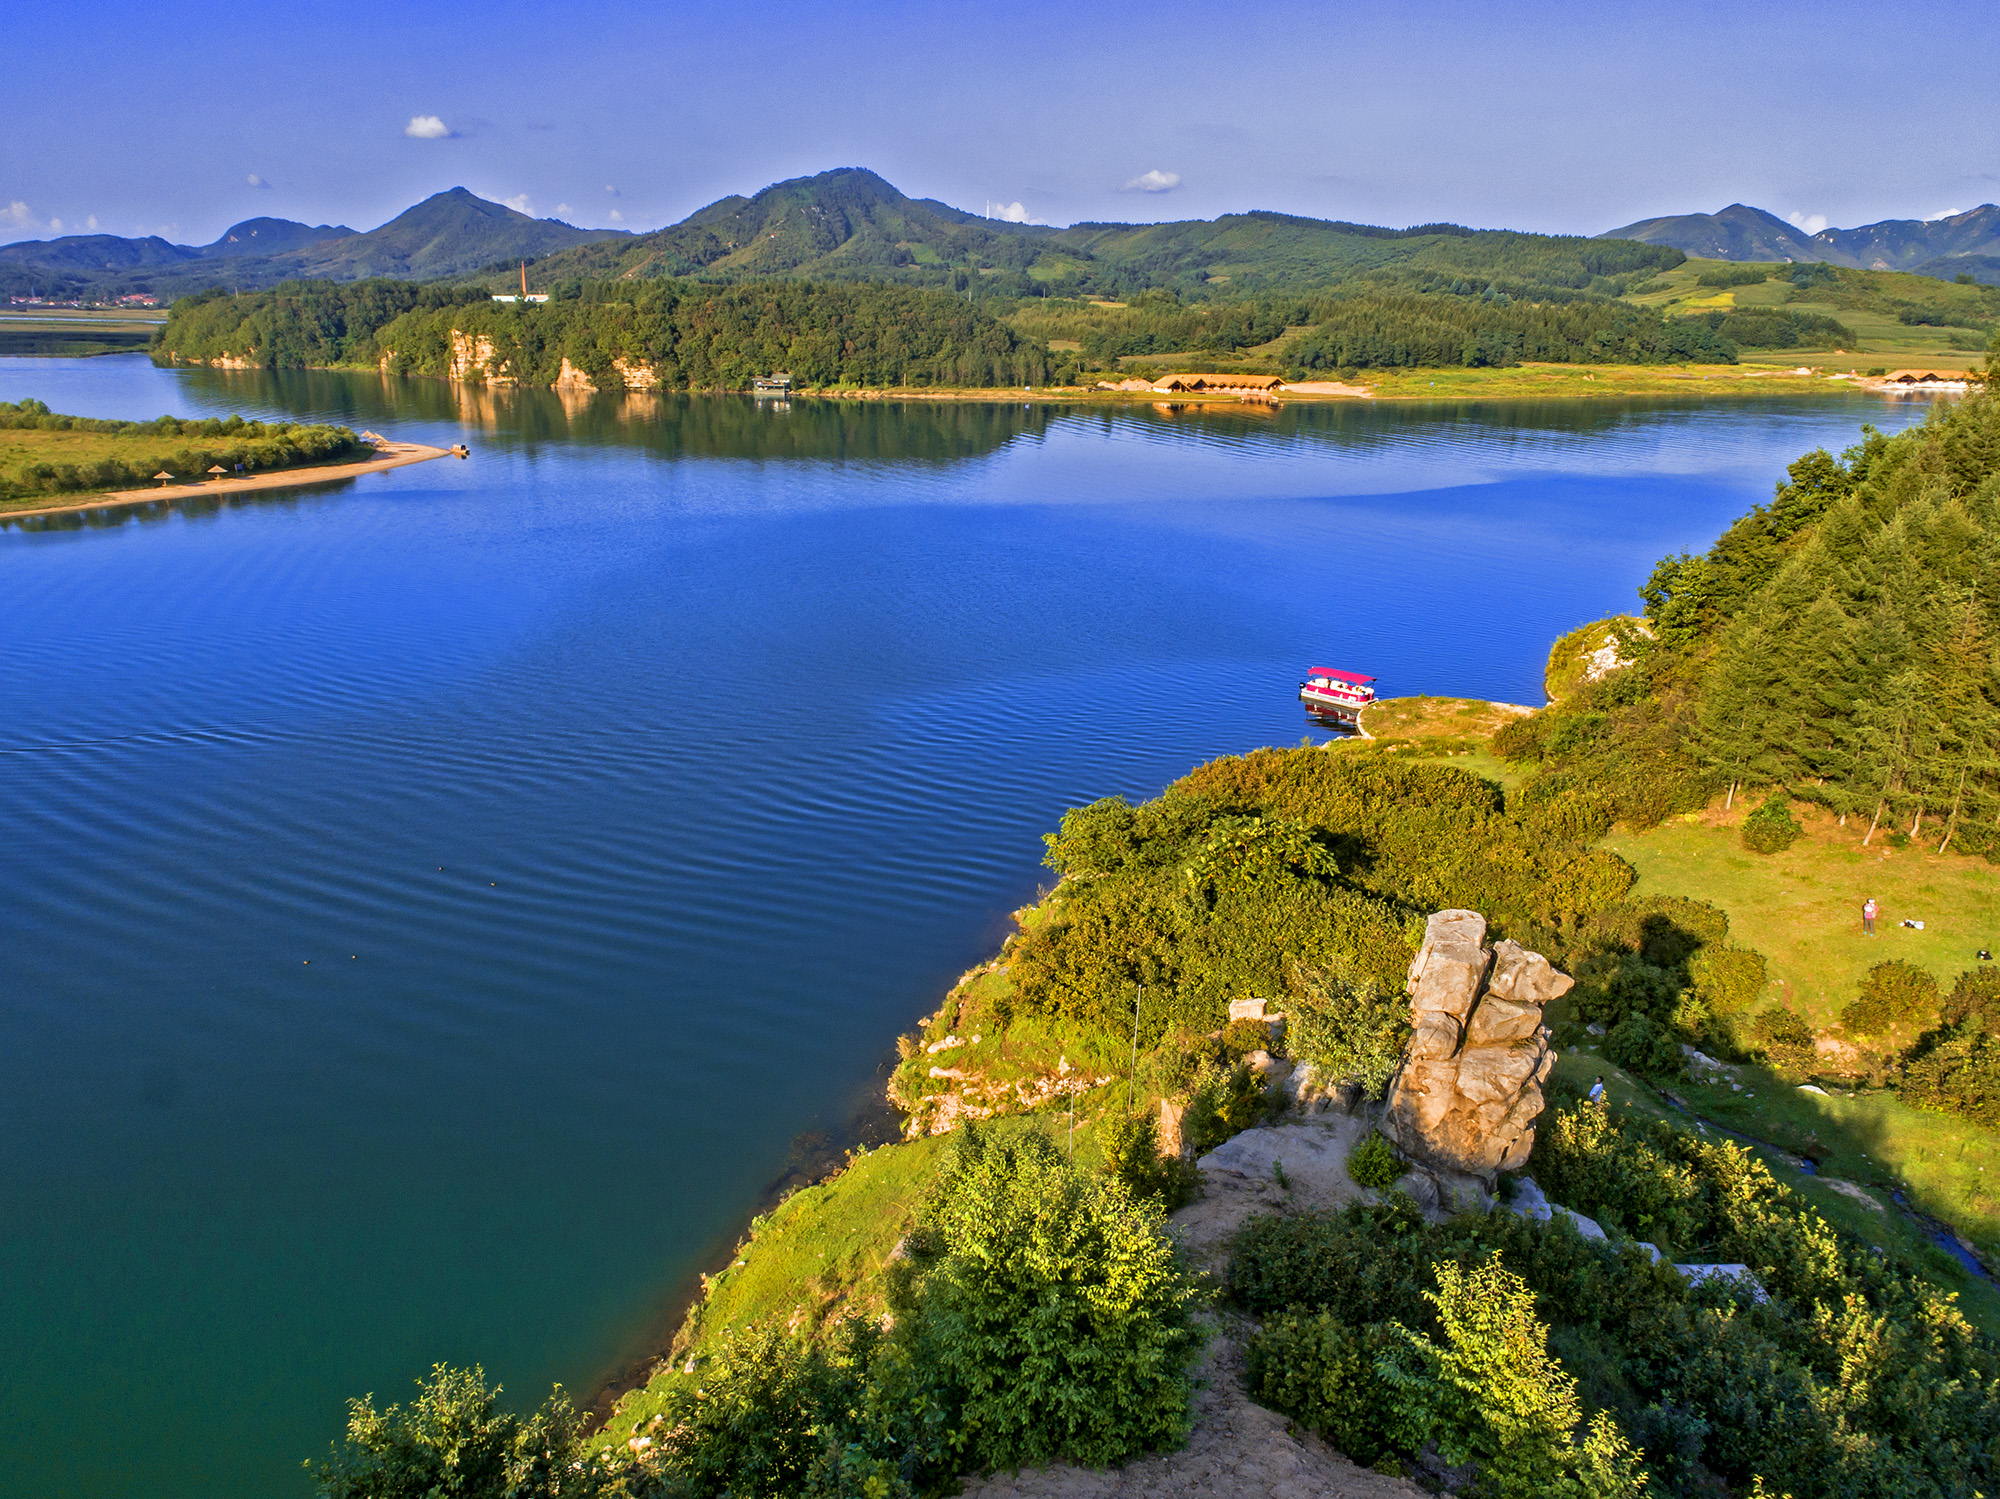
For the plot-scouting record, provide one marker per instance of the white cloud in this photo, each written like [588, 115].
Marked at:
[17, 216]
[617, 217]
[91, 223]
[613, 191]
[428, 128]
[562, 208]
[1811, 223]
[519, 202]
[1155, 181]
[1013, 213]
[56, 224]
[255, 181]
[1944, 213]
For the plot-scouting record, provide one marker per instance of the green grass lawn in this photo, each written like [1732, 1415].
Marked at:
[1802, 908]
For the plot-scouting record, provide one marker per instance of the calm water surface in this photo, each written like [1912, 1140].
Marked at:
[435, 908]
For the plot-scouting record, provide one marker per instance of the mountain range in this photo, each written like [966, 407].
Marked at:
[449, 234]
[1963, 243]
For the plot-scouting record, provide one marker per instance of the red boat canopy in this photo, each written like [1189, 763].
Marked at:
[1338, 676]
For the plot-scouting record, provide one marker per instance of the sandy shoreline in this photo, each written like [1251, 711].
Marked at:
[391, 455]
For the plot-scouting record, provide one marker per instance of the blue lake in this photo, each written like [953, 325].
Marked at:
[437, 908]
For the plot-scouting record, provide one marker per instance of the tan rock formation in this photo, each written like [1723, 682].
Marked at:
[1470, 1088]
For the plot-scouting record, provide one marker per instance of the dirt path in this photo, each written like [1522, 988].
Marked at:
[391, 455]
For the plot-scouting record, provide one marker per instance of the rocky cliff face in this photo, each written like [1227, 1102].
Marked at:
[1470, 1088]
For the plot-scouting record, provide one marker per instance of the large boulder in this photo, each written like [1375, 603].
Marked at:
[1469, 1090]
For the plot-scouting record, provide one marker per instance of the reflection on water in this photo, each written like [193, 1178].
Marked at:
[436, 905]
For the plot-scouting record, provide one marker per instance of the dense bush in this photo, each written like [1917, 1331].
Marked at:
[1255, 874]
[1955, 1069]
[455, 1439]
[1132, 1154]
[1641, 1044]
[1771, 829]
[1347, 1029]
[1893, 993]
[1374, 1163]
[1728, 978]
[1320, 1371]
[1054, 1307]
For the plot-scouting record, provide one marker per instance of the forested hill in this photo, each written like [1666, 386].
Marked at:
[850, 224]
[1836, 646]
[673, 334]
[684, 334]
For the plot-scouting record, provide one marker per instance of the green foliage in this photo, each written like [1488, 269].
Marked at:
[258, 446]
[690, 336]
[1054, 1307]
[1639, 1043]
[454, 1439]
[1490, 1390]
[1374, 1163]
[1132, 1154]
[1254, 873]
[1380, 331]
[751, 1421]
[1771, 829]
[1734, 275]
[1773, 328]
[1321, 1372]
[1224, 1098]
[1855, 1376]
[1347, 1028]
[299, 324]
[1728, 978]
[1892, 994]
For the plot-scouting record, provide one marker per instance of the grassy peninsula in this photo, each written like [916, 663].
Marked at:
[45, 456]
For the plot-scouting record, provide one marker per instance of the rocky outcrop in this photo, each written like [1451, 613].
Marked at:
[636, 376]
[1469, 1090]
[472, 358]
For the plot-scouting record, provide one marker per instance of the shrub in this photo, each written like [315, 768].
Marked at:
[1491, 1390]
[751, 1420]
[1893, 993]
[1728, 978]
[1132, 1154]
[1976, 996]
[1641, 1044]
[1374, 1163]
[1321, 1372]
[1957, 1073]
[454, 1439]
[1055, 1308]
[1346, 1028]
[1771, 829]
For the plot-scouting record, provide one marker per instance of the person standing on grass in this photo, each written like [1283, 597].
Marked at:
[1869, 911]
[1597, 1090]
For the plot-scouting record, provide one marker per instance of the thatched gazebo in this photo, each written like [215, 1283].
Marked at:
[164, 477]
[218, 470]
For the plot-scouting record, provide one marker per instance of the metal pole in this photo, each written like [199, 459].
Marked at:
[1132, 1077]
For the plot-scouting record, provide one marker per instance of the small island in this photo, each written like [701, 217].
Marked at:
[51, 463]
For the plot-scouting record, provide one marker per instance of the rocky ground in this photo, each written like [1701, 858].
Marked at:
[1238, 1449]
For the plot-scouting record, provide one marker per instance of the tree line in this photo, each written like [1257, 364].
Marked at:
[690, 336]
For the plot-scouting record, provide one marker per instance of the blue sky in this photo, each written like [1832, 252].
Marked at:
[156, 117]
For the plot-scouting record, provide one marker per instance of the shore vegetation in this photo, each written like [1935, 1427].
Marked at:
[44, 454]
